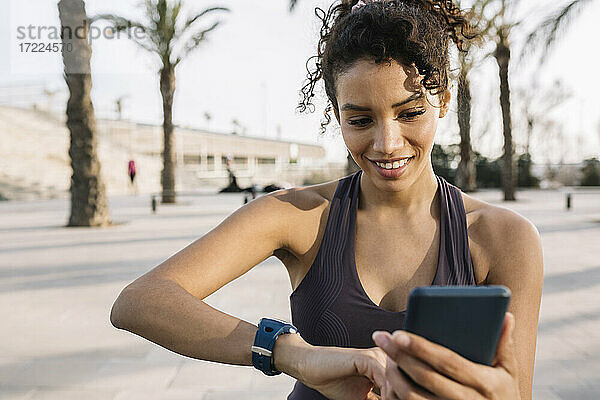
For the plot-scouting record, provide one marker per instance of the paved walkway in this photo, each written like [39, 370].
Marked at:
[57, 286]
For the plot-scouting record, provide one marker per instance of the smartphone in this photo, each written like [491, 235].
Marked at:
[466, 319]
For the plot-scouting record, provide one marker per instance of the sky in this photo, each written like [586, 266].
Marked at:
[252, 67]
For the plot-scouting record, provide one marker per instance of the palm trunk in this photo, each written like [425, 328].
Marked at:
[466, 176]
[502, 56]
[89, 205]
[167, 90]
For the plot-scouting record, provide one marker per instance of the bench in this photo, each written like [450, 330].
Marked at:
[248, 195]
[578, 190]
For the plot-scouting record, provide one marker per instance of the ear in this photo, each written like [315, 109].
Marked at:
[445, 97]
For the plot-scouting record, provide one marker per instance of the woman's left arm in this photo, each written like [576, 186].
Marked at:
[513, 251]
[518, 264]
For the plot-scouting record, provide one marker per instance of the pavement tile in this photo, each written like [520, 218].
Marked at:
[552, 347]
[8, 392]
[551, 373]
[586, 348]
[246, 395]
[11, 370]
[165, 394]
[585, 369]
[136, 373]
[544, 394]
[577, 393]
[71, 394]
[212, 376]
[57, 372]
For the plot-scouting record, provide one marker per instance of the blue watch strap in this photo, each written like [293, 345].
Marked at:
[264, 341]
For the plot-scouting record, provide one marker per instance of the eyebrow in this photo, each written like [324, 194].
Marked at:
[354, 107]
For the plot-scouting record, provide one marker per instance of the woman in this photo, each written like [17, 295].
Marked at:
[355, 247]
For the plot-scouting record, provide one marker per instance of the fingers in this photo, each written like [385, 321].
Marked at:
[379, 367]
[441, 359]
[429, 382]
[399, 385]
[505, 354]
[387, 393]
[371, 364]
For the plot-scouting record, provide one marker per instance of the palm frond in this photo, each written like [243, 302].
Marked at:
[120, 24]
[194, 41]
[545, 35]
[161, 9]
[195, 18]
[163, 28]
[171, 20]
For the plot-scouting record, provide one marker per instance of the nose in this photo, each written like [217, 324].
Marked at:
[389, 138]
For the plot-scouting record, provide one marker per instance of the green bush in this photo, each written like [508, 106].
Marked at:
[525, 179]
[590, 172]
[489, 172]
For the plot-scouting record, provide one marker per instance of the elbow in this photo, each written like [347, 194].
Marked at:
[123, 311]
[116, 315]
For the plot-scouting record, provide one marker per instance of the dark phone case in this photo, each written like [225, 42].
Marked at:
[465, 319]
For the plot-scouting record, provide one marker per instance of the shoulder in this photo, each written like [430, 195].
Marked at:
[304, 198]
[506, 240]
[301, 211]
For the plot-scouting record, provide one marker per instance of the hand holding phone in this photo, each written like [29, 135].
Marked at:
[465, 319]
[438, 359]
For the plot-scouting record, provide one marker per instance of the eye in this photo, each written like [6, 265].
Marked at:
[411, 116]
[359, 122]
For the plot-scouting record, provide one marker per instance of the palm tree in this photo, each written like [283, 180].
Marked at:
[172, 39]
[547, 31]
[89, 205]
[500, 21]
[466, 174]
[502, 55]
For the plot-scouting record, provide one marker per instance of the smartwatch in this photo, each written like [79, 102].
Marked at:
[264, 341]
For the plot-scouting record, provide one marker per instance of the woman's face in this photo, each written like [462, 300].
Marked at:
[387, 117]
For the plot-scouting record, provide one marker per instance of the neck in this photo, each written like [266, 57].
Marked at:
[410, 201]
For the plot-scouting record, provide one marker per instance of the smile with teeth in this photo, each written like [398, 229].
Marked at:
[394, 165]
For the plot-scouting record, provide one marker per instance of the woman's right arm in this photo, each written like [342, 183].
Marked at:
[165, 305]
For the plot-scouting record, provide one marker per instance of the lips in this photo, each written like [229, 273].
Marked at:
[391, 160]
[393, 163]
[393, 172]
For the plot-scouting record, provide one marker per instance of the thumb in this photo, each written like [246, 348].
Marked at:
[505, 352]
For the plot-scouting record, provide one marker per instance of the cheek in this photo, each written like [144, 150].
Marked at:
[355, 142]
[426, 130]
[422, 134]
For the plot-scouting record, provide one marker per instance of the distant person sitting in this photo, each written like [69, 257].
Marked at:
[232, 186]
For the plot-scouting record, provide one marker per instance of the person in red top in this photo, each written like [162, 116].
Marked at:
[131, 172]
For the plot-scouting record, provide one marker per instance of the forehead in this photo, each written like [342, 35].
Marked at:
[368, 82]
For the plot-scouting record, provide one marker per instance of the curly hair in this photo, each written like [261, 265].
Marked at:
[411, 32]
